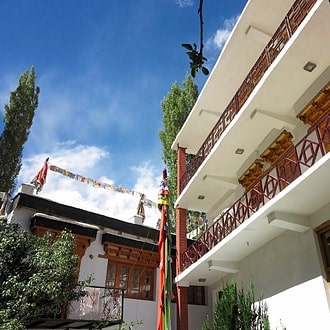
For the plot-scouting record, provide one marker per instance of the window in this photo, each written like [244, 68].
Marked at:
[324, 238]
[137, 281]
[196, 295]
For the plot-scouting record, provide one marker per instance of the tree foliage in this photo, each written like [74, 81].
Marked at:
[38, 275]
[237, 309]
[176, 107]
[130, 325]
[18, 120]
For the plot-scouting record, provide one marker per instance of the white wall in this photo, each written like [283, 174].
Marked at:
[301, 307]
[92, 264]
[147, 312]
[20, 216]
[196, 314]
[288, 272]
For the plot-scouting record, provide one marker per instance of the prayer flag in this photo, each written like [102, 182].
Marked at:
[164, 247]
[40, 179]
[98, 184]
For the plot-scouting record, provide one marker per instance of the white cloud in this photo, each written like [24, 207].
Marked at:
[185, 3]
[81, 107]
[222, 34]
[88, 161]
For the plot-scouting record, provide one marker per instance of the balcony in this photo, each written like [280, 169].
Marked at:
[283, 34]
[101, 307]
[290, 166]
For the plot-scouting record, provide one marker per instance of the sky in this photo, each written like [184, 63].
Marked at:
[103, 67]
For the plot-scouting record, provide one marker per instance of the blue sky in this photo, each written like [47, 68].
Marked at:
[103, 67]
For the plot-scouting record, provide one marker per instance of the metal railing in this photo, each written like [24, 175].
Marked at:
[289, 25]
[99, 303]
[282, 172]
[99, 308]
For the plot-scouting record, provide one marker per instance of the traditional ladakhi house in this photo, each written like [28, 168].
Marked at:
[123, 258]
[260, 133]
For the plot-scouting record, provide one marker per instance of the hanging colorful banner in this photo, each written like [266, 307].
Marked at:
[165, 267]
[98, 184]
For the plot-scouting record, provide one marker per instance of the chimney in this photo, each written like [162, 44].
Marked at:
[138, 219]
[26, 188]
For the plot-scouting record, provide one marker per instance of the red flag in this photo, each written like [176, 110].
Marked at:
[40, 179]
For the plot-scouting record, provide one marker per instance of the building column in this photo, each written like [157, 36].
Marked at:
[181, 245]
[182, 319]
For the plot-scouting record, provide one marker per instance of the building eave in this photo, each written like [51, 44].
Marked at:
[51, 208]
[237, 57]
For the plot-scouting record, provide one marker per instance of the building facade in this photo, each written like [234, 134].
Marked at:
[260, 133]
[118, 254]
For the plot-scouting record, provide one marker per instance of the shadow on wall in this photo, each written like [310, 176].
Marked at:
[285, 262]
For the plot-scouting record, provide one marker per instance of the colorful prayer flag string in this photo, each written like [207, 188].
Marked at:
[98, 184]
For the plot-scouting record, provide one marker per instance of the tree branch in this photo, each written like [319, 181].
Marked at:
[196, 57]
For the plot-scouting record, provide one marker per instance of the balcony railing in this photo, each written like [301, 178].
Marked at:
[289, 25]
[100, 307]
[285, 170]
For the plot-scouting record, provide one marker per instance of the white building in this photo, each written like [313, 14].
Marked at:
[260, 133]
[119, 255]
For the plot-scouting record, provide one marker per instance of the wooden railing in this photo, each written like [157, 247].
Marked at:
[289, 25]
[282, 172]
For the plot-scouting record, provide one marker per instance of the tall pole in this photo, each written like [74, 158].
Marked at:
[181, 245]
[164, 247]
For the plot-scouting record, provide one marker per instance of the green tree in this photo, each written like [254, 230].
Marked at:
[237, 309]
[129, 326]
[18, 120]
[176, 107]
[38, 275]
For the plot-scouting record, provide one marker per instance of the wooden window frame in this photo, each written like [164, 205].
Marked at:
[129, 288]
[193, 295]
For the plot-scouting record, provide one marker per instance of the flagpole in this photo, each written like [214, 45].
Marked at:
[164, 246]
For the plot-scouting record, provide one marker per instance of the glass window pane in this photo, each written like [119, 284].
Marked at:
[134, 293]
[146, 295]
[123, 277]
[136, 271]
[112, 267]
[124, 269]
[137, 281]
[111, 275]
